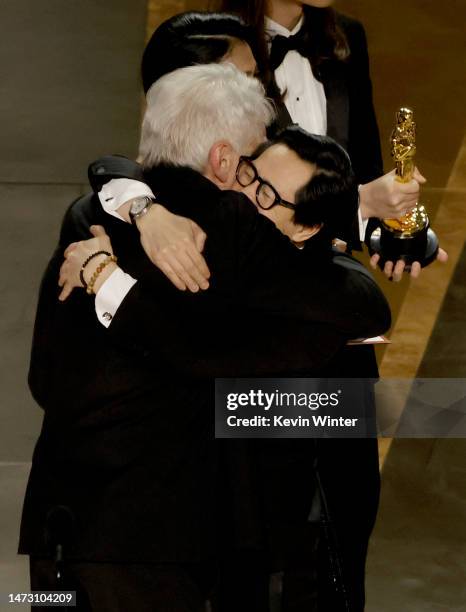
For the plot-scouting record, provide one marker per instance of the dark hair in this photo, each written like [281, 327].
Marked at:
[188, 39]
[325, 39]
[330, 198]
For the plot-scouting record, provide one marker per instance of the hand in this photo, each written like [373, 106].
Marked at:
[174, 244]
[387, 198]
[76, 254]
[395, 272]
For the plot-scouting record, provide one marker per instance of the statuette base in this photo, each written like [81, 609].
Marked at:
[422, 247]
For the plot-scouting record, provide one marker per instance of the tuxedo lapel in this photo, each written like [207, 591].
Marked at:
[283, 119]
[334, 79]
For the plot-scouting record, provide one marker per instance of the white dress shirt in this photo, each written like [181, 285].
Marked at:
[113, 291]
[111, 294]
[117, 192]
[304, 94]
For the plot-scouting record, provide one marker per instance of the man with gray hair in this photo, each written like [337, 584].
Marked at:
[122, 489]
[189, 112]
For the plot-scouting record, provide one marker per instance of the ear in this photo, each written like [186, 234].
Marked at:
[222, 163]
[302, 233]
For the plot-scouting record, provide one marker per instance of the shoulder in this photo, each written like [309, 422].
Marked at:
[353, 30]
[237, 204]
[237, 215]
[344, 260]
[348, 24]
[238, 208]
[251, 231]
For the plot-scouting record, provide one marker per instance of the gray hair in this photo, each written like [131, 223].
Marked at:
[190, 109]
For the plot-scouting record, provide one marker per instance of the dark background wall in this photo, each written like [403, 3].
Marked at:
[418, 58]
[69, 92]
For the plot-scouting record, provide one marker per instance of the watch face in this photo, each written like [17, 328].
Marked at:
[138, 205]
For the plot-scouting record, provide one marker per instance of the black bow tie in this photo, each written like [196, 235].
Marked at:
[282, 44]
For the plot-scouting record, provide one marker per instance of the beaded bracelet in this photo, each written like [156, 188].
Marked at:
[81, 272]
[100, 267]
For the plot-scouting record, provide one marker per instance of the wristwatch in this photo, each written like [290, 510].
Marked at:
[140, 206]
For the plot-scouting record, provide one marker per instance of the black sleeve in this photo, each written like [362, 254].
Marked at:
[336, 300]
[42, 351]
[75, 227]
[220, 344]
[339, 292]
[111, 167]
[364, 140]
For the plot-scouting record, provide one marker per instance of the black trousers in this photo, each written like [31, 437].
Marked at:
[251, 588]
[349, 476]
[349, 472]
[108, 587]
[242, 584]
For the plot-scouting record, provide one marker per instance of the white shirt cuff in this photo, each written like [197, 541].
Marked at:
[117, 192]
[112, 293]
[362, 226]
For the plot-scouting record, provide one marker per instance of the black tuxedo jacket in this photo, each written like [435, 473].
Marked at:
[351, 118]
[126, 445]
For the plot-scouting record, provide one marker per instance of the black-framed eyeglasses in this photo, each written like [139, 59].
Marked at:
[266, 194]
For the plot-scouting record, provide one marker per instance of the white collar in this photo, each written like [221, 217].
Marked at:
[272, 28]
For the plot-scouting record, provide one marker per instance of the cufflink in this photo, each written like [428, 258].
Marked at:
[107, 316]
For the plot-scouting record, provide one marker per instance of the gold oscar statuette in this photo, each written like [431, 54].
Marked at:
[409, 238]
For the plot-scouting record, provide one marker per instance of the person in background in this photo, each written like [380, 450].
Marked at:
[314, 63]
[193, 38]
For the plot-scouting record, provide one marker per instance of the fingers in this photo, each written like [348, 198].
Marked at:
[66, 292]
[398, 270]
[199, 236]
[374, 260]
[415, 269]
[199, 240]
[442, 256]
[63, 274]
[388, 269]
[408, 189]
[200, 263]
[71, 247]
[395, 272]
[419, 177]
[195, 265]
[97, 230]
[183, 266]
[171, 275]
[179, 266]
[405, 195]
[67, 287]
